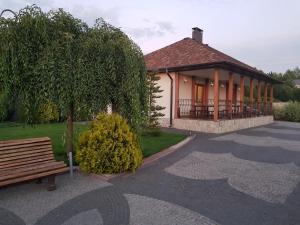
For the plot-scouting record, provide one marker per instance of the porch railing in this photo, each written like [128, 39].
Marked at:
[227, 109]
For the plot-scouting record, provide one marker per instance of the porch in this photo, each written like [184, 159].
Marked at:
[226, 109]
[216, 94]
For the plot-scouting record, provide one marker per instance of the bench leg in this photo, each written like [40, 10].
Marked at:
[51, 183]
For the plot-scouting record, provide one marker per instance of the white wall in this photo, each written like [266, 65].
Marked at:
[185, 87]
[222, 92]
[238, 95]
[165, 85]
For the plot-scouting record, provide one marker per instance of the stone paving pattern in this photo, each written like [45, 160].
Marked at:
[247, 177]
[267, 181]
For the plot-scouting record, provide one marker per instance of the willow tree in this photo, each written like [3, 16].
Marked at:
[56, 57]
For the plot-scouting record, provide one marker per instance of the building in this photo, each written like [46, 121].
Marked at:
[297, 83]
[203, 88]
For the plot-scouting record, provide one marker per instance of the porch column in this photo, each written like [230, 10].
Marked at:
[251, 95]
[235, 88]
[216, 94]
[177, 109]
[230, 93]
[242, 82]
[193, 91]
[271, 98]
[206, 91]
[259, 95]
[265, 97]
[193, 108]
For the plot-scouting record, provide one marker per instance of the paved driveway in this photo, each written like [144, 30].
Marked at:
[246, 177]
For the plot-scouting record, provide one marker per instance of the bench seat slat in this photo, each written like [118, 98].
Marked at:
[33, 155]
[31, 170]
[23, 141]
[26, 164]
[3, 148]
[33, 176]
[17, 150]
[29, 167]
[25, 160]
[24, 153]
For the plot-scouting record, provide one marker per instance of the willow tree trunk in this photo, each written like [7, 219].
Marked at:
[70, 138]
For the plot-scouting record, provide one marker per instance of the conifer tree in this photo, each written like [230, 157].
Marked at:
[154, 90]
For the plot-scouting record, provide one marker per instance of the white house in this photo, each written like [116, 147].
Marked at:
[204, 89]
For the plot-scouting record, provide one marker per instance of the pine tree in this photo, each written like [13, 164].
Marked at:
[155, 109]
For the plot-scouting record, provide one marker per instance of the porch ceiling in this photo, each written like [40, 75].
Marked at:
[208, 74]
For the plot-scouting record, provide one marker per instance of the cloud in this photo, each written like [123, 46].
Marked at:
[166, 26]
[157, 29]
[275, 54]
[16, 5]
[90, 14]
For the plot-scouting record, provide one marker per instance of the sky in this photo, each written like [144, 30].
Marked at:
[262, 33]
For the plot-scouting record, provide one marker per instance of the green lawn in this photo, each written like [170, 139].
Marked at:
[152, 144]
[57, 132]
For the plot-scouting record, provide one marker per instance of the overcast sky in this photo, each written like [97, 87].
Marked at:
[262, 33]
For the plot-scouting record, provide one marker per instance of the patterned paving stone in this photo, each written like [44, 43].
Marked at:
[9, 218]
[108, 202]
[286, 124]
[150, 211]
[277, 131]
[39, 201]
[91, 217]
[260, 141]
[266, 181]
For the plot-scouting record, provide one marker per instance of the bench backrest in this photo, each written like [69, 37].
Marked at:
[15, 153]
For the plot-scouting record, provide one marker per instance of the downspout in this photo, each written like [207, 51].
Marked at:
[171, 98]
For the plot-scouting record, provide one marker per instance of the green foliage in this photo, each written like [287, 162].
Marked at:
[4, 105]
[290, 112]
[49, 113]
[109, 146]
[287, 91]
[154, 91]
[56, 57]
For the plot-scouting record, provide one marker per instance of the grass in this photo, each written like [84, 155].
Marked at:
[152, 144]
[57, 132]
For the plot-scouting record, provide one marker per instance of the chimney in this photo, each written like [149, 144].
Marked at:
[197, 34]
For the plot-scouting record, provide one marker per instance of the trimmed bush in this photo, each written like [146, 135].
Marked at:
[109, 146]
[290, 112]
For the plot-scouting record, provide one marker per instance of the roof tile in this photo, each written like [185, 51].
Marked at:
[189, 52]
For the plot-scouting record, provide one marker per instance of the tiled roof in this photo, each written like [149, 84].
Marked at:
[189, 52]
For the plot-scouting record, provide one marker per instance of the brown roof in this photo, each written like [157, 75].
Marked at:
[189, 52]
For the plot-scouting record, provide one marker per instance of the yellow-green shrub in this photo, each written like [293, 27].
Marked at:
[109, 146]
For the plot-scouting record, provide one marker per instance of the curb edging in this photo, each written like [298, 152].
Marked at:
[147, 161]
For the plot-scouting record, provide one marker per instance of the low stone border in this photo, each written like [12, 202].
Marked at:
[166, 151]
[153, 158]
[221, 126]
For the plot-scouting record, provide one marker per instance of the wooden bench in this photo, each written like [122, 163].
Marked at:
[28, 159]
